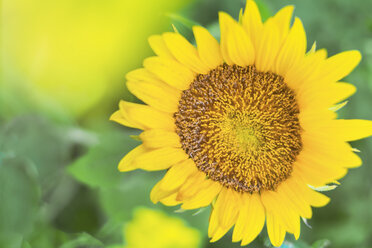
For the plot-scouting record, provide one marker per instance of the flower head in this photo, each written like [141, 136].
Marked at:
[246, 124]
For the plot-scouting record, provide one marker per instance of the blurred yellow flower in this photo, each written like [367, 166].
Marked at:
[153, 228]
[75, 53]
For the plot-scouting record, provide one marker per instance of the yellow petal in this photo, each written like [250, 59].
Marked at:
[160, 159]
[159, 47]
[146, 117]
[220, 232]
[173, 180]
[170, 200]
[158, 194]
[308, 116]
[297, 203]
[305, 73]
[348, 130]
[224, 214]
[328, 149]
[177, 175]
[283, 20]
[274, 204]
[251, 219]
[225, 26]
[239, 46]
[157, 138]
[184, 52]
[293, 49]
[213, 222]
[312, 176]
[324, 95]
[275, 229]
[320, 167]
[312, 197]
[126, 164]
[267, 47]
[208, 47]
[340, 65]
[141, 74]
[192, 186]
[289, 212]
[156, 94]
[117, 117]
[204, 197]
[229, 202]
[252, 22]
[170, 71]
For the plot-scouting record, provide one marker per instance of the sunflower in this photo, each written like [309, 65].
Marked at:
[247, 125]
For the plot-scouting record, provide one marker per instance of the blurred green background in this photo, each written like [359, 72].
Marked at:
[62, 75]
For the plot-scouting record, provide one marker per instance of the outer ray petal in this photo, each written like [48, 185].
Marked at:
[348, 130]
[312, 176]
[117, 117]
[159, 159]
[204, 197]
[328, 147]
[283, 20]
[192, 186]
[159, 47]
[173, 180]
[141, 74]
[340, 65]
[157, 138]
[274, 204]
[170, 71]
[275, 229]
[229, 207]
[252, 21]
[239, 46]
[295, 201]
[156, 94]
[170, 200]
[268, 46]
[306, 71]
[225, 23]
[312, 197]
[308, 116]
[251, 219]
[208, 47]
[320, 165]
[184, 52]
[224, 214]
[317, 96]
[178, 174]
[158, 194]
[293, 49]
[145, 117]
[126, 163]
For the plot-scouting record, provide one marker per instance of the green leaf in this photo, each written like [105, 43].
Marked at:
[98, 167]
[82, 240]
[10, 240]
[134, 191]
[265, 10]
[19, 195]
[321, 244]
[38, 140]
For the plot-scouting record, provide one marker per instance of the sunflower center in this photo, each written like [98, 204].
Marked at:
[241, 127]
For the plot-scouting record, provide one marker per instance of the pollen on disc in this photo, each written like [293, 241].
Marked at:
[240, 126]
